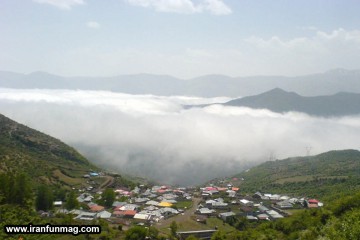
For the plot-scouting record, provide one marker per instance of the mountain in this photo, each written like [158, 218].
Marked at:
[331, 82]
[44, 158]
[278, 100]
[330, 172]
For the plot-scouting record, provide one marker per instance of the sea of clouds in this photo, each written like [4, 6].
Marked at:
[158, 138]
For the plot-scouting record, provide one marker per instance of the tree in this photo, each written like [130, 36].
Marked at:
[218, 236]
[108, 197]
[153, 233]
[135, 233]
[173, 228]
[71, 201]
[44, 198]
[22, 190]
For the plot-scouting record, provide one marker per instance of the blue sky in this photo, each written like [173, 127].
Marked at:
[182, 38]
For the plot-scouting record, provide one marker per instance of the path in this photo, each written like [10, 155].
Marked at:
[108, 181]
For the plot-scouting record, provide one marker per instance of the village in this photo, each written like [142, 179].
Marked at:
[157, 206]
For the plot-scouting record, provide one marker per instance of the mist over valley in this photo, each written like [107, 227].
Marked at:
[158, 138]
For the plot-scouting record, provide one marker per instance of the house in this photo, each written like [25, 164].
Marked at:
[262, 208]
[314, 203]
[57, 203]
[284, 204]
[131, 207]
[94, 174]
[226, 215]
[263, 216]
[152, 203]
[274, 215]
[142, 217]
[231, 193]
[85, 197]
[165, 204]
[141, 200]
[219, 205]
[124, 214]
[87, 216]
[151, 208]
[247, 203]
[206, 211]
[96, 208]
[118, 204]
[103, 214]
[251, 218]
[257, 195]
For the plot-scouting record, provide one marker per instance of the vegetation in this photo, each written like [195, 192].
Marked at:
[44, 198]
[44, 159]
[318, 176]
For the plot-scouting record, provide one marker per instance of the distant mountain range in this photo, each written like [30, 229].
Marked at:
[331, 82]
[278, 100]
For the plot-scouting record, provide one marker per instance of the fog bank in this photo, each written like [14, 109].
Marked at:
[155, 137]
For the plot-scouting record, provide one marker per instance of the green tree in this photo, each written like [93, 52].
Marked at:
[44, 198]
[108, 197]
[71, 201]
[218, 236]
[135, 233]
[22, 190]
[153, 233]
[173, 228]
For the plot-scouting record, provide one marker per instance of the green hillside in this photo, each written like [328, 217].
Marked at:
[43, 158]
[320, 175]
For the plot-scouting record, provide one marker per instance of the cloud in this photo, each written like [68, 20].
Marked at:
[216, 7]
[62, 4]
[155, 137]
[93, 24]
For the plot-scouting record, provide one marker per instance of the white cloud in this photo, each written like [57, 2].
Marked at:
[216, 7]
[155, 137]
[93, 24]
[62, 4]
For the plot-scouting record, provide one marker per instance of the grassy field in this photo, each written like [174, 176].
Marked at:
[183, 204]
[68, 180]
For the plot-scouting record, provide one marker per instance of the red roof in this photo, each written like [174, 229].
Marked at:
[96, 208]
[128, 212]
[312, 205]
[313, 201]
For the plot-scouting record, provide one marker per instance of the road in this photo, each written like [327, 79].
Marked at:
[108, 181]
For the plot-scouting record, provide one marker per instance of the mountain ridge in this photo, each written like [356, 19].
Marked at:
[214, 85]
[42, 157]
[278, 100]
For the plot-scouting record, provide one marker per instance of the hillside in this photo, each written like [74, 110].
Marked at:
[330, 82]
[44, 158]
[330, 172]
[278, 100]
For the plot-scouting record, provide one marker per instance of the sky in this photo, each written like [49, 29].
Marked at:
[182, 38]
[156, 138]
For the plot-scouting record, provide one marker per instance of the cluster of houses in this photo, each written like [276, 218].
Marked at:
[139, 205]
[225, 202]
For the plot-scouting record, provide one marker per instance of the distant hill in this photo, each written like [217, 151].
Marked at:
[278, 100]
[44, 158]
[330, 172]
[331, 82]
